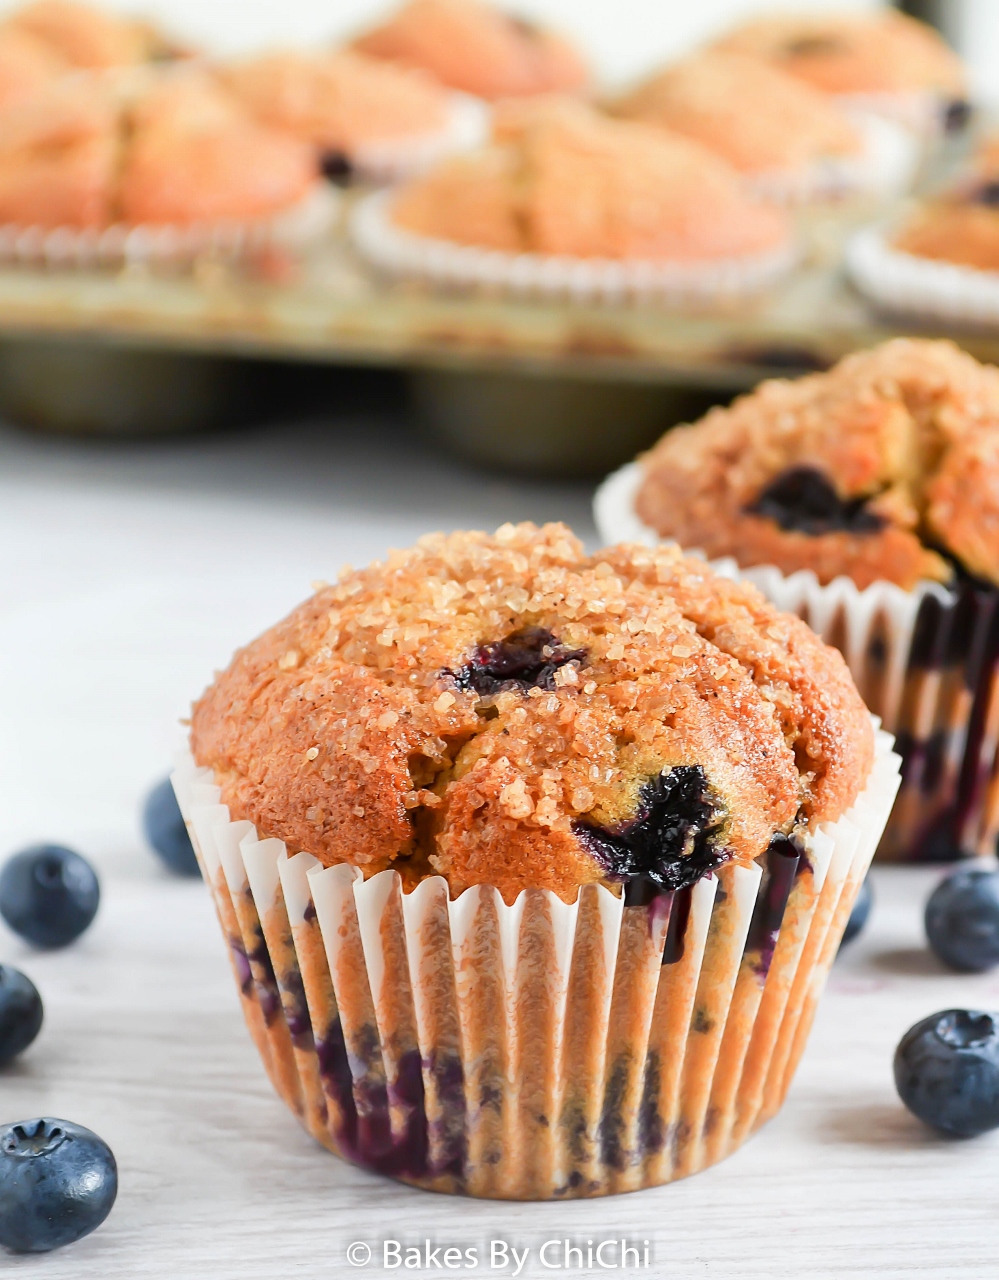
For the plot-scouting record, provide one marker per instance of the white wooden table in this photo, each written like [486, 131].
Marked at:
[126, 575]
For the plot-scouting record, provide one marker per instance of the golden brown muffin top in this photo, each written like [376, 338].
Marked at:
[960, 224]
[870, 470]
[508, 710]
[338, 100]
[561, 179]
[886, 52]
[473, 47]
[757, 117]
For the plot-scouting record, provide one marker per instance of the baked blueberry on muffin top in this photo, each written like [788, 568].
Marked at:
[884, 468]
[507, 710]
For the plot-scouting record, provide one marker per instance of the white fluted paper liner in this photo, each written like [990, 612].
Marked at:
[392, 159]
[541, 1049]
[294, 229]
[944, 712]
[921, 111]
[904, 283]
[392, 249]
[885, 166]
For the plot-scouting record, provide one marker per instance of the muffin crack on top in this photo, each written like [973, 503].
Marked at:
[508, 710]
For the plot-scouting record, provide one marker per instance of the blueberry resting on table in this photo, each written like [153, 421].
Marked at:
[962, 920]
[164, 828]
[58, 1182]
[947, 1071]
[20, 1013]
[48, 895]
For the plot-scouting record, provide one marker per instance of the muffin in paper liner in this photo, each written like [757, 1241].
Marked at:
[886, 166]
[400, 252]
[294, 229]
[538, 1050]
[901, 282]
[925, 661]
[392, 159]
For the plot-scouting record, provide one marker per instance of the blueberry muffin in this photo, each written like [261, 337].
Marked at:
[886, 468]
[879, 480]
[559, 179]
[480, 50]
[959, 225]
[868, 55]
[509, 711]
[763, 121]
[341, 103]
[532, 863]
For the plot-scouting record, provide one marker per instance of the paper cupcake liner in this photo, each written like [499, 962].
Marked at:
[925, 661]
[295, 228]
[540, 1050]
[392, 159]
[903, 283]
[452, 265]
[886, 166]
[922, 112]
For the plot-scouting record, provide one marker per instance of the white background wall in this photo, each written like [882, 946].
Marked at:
[623, 37]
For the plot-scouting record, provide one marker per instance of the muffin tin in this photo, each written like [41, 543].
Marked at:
[326, 305]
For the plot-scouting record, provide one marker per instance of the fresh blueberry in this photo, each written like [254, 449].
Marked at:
[947, 1071]
[20, 1013]
[164, 828]
[48, 894]
[962, 920]
[58, 1182]
[858, 916]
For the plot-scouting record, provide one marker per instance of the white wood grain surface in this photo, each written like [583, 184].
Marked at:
[126, 575]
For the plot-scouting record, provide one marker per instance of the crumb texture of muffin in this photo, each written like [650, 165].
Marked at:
[560, 179]
[339, 100]
[507, 710]
[887, 52]
[758, 118]
[480, 50]
[884, 468]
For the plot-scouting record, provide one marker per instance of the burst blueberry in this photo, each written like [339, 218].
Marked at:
[163, 826]
[962, 920]
[48, 895]
[859, 914]
[58, 1182]
[20, 1013]
[947, 1071]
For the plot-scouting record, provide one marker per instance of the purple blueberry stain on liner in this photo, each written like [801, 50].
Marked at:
[782, 861]
[525, 659]
[803, 500]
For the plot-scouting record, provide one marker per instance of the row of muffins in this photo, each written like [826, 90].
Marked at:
[385, 105]
[683, 177]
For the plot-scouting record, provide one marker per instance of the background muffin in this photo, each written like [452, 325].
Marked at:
[478, 49]
[765, 123]
[564, 180]
[857, 471]
[866, 500]
[885, 58]
[93, 150]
